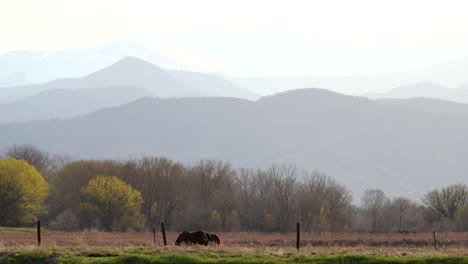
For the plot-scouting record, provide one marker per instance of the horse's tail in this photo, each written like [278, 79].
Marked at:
[215, 238]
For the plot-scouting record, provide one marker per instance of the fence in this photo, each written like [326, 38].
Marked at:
[44, 237]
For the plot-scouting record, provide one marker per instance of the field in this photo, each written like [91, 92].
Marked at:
[20, 246]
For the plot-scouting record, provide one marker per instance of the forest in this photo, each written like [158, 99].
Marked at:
[138, 194]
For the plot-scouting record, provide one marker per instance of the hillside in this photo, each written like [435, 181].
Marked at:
[426, 90]
[451, 74]
[67, 103]
[132, 71]
[361, 142]
[25, 67]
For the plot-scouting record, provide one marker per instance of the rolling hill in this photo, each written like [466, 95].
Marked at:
[25, 67]
[68, 103]
[362, 143]
[131, 71]
[426, 90]
[452, 74]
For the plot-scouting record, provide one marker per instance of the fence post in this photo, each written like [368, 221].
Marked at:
[154, 234]
[435, 241]
[163, 233]
[298, 236]
[39, 232]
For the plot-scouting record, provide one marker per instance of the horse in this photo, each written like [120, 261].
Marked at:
[197, 237]
[215, 239]
[189, 238]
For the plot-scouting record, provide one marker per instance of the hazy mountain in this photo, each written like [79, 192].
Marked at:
[23, 67]
[361, 142]
[132, 71]
[67, 103]
[448, 74]
[213, 85]
[423, 89]
[427, 105]
[426, 90]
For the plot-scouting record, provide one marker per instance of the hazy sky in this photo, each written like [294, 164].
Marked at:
[252, 37]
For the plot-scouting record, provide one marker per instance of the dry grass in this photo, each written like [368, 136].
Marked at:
[421, 244]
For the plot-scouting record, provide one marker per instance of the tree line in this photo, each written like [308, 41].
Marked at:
[137, 194]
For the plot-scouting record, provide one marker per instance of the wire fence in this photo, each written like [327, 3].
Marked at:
[243, 239]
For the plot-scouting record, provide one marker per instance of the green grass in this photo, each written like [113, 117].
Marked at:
[202, 255]
[17, 229]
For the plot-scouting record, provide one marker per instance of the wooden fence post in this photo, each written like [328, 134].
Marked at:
[435, 241]
[164, 233]
[39, 232]
[298, 236]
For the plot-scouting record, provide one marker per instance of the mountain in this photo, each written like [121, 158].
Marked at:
[212, 85]
[131, 71]
[23, 67]
[362, 143]
[426, 90]
[448, 74]
[427, 105]
[67, 103]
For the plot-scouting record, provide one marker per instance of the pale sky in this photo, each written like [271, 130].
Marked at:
[264, 38]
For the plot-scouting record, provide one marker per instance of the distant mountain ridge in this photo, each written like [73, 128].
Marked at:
[426, 90]
[68, 103]
[24, 68]
[131, 71]
[451, 74]
[362, 143]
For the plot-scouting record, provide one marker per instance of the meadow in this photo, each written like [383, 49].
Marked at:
[20, 246]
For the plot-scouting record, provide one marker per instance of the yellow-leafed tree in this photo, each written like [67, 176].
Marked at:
[115, 203]
[23, 191]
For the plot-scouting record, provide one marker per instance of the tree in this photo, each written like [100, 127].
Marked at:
[31, 154]
[116, 204]
[374, 201]
[67, 183]
[322, 202]
[23, 191]
[448, 201]
[161, 183]
[211, 188]
[400, 207]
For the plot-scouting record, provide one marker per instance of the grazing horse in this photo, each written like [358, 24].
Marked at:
[197, 237]
[215, 239]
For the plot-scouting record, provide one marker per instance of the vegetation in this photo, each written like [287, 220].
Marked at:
[212, 195]
[447, 202]
[31, 154]
[238, 247]
[116, 204]
[201, 255]
[22, 192]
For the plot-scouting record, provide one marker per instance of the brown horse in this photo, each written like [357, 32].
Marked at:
[189, 238]
[215, 239]
[197, 237]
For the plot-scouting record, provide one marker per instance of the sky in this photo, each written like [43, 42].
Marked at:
[252, 38]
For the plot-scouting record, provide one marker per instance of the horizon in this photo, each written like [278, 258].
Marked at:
[253, 39]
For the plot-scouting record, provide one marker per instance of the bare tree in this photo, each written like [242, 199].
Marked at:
[211, 189]
[37, 158]
[401, 206]
[374, 201]
[448, 201]
[322, 202]
[284, 185]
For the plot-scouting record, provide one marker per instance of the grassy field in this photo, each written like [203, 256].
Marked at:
[20, 246]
